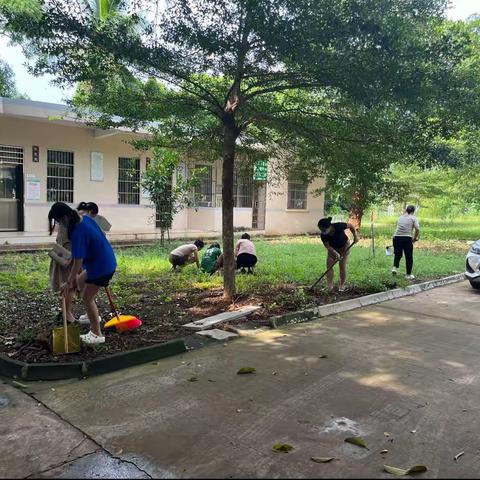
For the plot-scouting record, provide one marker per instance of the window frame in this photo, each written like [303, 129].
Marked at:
[125, 196]
[197, 191]
[296, 185]
[240, 199]
[53, 191]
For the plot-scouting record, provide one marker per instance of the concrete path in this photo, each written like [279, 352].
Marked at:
[407, 368]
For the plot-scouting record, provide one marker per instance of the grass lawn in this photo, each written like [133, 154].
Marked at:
[145, 286]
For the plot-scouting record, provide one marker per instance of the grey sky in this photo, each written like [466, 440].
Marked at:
[40, 88]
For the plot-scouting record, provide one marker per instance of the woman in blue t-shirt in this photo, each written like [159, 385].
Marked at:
[90, 249]
[336, 242]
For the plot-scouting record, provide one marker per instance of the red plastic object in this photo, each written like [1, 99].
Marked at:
[123, 323]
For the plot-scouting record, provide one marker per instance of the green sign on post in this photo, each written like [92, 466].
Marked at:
[260, 171]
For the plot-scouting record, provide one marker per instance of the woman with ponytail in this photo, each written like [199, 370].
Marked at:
[336, 242]
[90, 249]
[61, 263]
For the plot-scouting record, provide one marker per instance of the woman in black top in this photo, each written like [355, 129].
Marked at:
[336, 242]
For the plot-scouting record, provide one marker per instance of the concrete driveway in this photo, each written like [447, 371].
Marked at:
[404, 375]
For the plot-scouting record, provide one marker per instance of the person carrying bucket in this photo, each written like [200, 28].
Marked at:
[91, 249]
[403, 241]
[337, 244]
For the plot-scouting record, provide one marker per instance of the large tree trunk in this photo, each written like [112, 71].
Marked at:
[230, 135]
[356, 210]
[355, 217]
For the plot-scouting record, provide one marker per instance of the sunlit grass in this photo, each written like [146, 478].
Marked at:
[296, 260]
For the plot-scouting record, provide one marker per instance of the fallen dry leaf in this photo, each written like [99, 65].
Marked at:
[282, 448]
[322, 459]
[458, 455]
[358, 441]
[402, 471]
[245, 370]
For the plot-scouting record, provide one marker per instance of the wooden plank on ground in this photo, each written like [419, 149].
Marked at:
[210, 322]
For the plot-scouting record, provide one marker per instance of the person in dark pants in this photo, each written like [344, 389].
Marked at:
[336, 242]
[246, 254]
[186, 254]
[403, 241]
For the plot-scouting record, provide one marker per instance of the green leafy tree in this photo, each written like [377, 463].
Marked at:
[168, 195]
[7, 81]
[265, 76]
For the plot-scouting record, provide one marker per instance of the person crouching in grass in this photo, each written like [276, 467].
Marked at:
[210, 261]
[91, 249]
[246, 254]
[186, 254]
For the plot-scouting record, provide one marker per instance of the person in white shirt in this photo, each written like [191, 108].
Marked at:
[246, 254]
[100, 220]
[186, 254]
[404, 239]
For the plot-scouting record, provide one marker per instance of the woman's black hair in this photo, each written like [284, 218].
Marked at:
[82, 206]
[60, 210]
[245, 236]
[199, 243]
[324, 223]
[410, 209]
[92, 207]
[214, 245]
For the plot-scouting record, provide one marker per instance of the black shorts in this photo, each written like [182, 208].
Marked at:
[101, 281]
[246, 260]
[177, 260]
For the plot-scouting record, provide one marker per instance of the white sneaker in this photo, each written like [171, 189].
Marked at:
[410, 277]
[91, 339]
[342, 288]
[394, 270]
[83, 319]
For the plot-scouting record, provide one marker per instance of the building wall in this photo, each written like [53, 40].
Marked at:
[81, 141]
[280, 220]
[131, 218]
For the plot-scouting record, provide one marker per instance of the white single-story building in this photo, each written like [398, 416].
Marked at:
[48, 155]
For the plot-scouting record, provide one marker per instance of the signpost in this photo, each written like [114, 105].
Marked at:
[260, 171]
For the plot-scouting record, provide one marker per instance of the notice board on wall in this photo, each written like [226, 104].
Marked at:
[96, 167]
[33, 190]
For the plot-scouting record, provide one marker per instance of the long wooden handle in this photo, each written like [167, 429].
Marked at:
[330, 267]
[65, 329]
[112, 305]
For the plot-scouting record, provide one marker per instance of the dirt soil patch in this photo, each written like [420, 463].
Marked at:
[26, 320]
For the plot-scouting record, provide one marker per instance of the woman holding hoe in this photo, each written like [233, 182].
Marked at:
[336, 242]
[91, 249]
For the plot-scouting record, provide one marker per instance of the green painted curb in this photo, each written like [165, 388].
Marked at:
[328, 309]
[60, 371]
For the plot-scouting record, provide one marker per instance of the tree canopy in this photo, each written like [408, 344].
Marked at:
[297, 78]
[7, 81]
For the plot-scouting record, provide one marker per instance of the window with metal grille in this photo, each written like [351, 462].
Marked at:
[297, 193]
[129, 181]
[11, 154]
[203, 192]
[59, 176]
[243, 188]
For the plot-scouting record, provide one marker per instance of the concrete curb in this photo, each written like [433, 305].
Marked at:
[339, 307]
[60, 371]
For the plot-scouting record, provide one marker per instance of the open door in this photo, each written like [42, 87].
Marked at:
[259, 205]
[11, 188]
